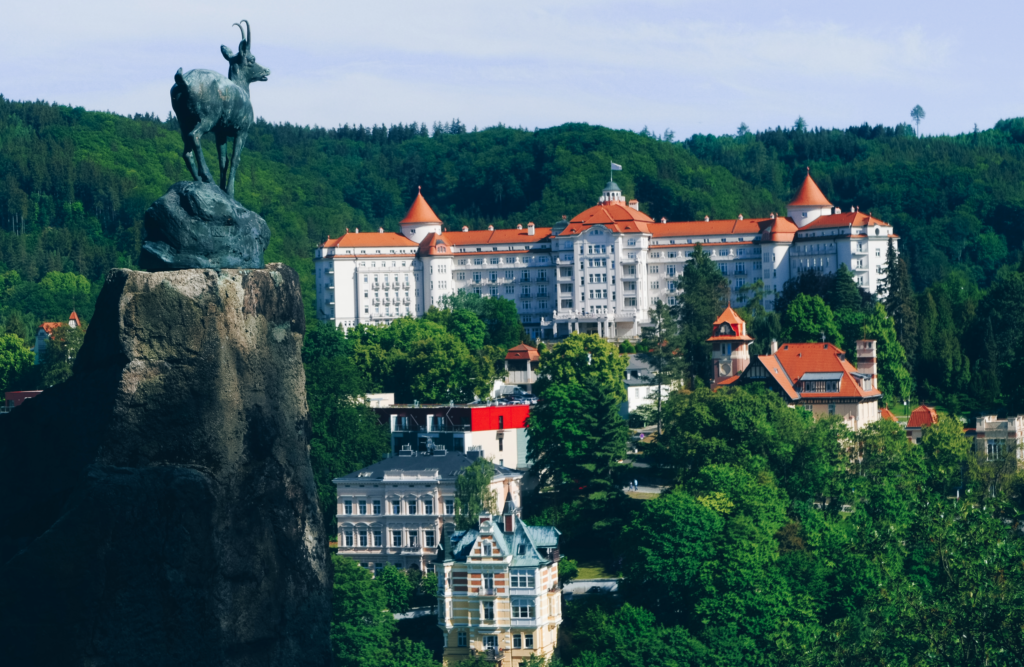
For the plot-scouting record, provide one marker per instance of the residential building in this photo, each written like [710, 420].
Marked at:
[395, 511]
[819, 378]
[995, 438]
[641, 386]
[599, 272]
[498, 591]
[497, 432]
[45, 331]
[521, 365]
[920, 418]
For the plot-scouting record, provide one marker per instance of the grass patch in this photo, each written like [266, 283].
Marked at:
[642, 496]
[595, 570]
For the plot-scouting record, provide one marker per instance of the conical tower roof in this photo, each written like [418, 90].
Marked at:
[420, 211]
[810, 194]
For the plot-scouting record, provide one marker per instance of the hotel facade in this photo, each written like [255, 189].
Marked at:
[599, 272]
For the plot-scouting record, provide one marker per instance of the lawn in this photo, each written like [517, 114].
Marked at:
[595, 570]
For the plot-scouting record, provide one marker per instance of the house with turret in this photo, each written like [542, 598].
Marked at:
[818, 377]
[498, 594]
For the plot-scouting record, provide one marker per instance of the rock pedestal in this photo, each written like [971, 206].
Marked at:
[197, 225]
[159, 508]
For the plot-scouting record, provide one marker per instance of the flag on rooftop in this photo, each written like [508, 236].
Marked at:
[616, 167]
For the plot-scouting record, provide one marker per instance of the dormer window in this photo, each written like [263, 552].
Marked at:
[487, 548]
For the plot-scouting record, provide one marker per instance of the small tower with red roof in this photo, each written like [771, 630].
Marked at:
[809, 204]
[420, 220]
[730, 355]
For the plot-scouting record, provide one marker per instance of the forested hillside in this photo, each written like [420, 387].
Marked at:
[74, 185]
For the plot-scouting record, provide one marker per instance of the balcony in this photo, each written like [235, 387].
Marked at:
[493, 654]
[525, 622]
[376, 286]
[485, 591]
[521, 377]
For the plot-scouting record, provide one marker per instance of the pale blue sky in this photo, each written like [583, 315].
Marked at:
[692, 65]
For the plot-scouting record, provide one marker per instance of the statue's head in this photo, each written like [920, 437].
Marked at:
[243, 65]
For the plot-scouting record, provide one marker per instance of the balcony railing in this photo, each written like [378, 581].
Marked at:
[524, 622]
[494, 654]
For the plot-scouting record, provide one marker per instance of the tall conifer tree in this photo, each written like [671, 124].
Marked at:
[705, 296]
[900, 301]
[663, 347]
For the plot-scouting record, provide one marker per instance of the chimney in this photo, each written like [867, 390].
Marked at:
[380, 230]
[741, 216]
[490, 228]
[531, 230]
[519, 226]
[775, 346]
[663, 221]
[866, 360]
[508, 523]
[357, 230]
[465, 228]
[707, 219]
[634, 204]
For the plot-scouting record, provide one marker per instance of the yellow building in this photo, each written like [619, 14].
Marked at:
[498, 592]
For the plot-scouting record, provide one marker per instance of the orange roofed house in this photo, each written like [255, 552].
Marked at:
[599, 272]
[815, 376]
[45, 332]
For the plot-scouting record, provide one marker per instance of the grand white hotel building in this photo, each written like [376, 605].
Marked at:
[598, 273]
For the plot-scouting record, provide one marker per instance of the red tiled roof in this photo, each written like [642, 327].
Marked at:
[420, 211]
[855, 219]
[886, 414]
[613, 212]
[737, 337]
[922, 416]
[729, 315]
[435, 244]
[728, 380]
[702, 228]
[800, 358]
[781, 230]
[370, 240]
[502, 236]
[49, 327]
[810, 194]
[522, 352]
[778, 373]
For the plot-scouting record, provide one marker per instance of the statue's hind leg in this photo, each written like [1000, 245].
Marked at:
[197, 142]
[222, 158]
[189, 155]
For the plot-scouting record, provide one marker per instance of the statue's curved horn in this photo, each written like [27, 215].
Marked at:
[241, 31]
[248, 32]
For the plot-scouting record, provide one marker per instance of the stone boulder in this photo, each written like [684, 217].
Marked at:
[159, 508]
[197, 225]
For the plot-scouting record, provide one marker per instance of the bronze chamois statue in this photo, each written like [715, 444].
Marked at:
[207, 101]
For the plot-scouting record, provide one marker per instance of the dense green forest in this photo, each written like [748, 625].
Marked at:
[74, 185]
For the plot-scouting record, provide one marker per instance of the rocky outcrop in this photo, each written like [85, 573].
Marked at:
[197, 225]
[159, 508]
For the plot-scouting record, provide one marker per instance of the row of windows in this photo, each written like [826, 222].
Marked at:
[479, 261]
[364, 507]
[491, 641]
[366, 538]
